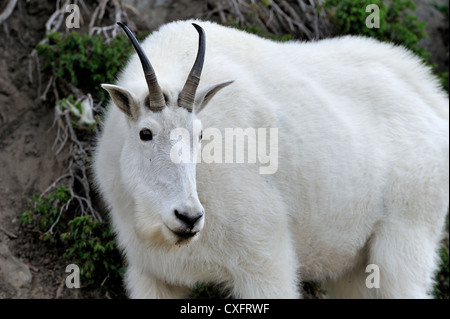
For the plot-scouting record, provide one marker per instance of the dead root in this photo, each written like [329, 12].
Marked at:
[300, 18]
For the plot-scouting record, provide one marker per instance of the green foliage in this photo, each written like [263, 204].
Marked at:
[85, 61]
[45, 212]
[90, 245]
[349, 17]
[208, 291]
[441, 288]
[202, 291]
[444, 8]
[443, 77]
[397, 23]
[87, 242]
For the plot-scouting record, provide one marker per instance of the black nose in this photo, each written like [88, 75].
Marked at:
[187, 219]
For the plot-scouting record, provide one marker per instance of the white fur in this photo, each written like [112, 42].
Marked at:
[363, 169]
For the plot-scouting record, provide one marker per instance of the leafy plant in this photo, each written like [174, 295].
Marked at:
[205, 291]
[444, 8]
[443, 77]
[397, 23]
[83, 60]
[45, 213]
[79, 62]
[90, 244]
[87, 242]
[441, 288]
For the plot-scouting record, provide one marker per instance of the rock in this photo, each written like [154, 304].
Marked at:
[13, 273]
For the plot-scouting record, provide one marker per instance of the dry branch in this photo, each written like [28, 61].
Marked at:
[8, 10]
[299, 18]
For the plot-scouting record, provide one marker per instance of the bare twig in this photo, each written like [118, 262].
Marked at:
[299, 18]
[8, 10]
[61, 210]
[54, 184]
[120, 15]
[76, 170]
[8, 233]
[43, 97]
[60, 289]
[56, 19]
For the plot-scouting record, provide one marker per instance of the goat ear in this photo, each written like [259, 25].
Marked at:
[206, 94]
[125, 100]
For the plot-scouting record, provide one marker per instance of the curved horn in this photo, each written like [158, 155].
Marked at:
[156, 97]
[187, 95]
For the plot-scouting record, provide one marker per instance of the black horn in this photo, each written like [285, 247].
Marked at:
[156, 97]
[187, 95]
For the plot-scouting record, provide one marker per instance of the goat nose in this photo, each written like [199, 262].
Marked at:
[187, 219]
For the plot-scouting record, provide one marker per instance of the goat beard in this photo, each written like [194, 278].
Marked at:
[149, 226]
[151, 230]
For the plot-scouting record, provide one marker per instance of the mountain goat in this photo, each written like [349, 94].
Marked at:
[360, 130]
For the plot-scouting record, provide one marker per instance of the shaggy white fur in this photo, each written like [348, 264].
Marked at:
[362, 175]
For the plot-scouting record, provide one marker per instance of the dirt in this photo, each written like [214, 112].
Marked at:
[28, 164]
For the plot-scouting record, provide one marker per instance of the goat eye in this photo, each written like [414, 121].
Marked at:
[145, 135]
[201, 135]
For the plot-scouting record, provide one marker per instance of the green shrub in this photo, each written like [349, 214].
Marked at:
[45, 213]
[441, 288]
[398, 24]
[90, 245]
[83, 60]
[86, 242]
[443, 77]
[444, 8]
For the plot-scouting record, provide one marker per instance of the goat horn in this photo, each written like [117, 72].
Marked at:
[187, 95]
[156, 97]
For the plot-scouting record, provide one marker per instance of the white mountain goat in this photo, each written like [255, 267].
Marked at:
[360, 130]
